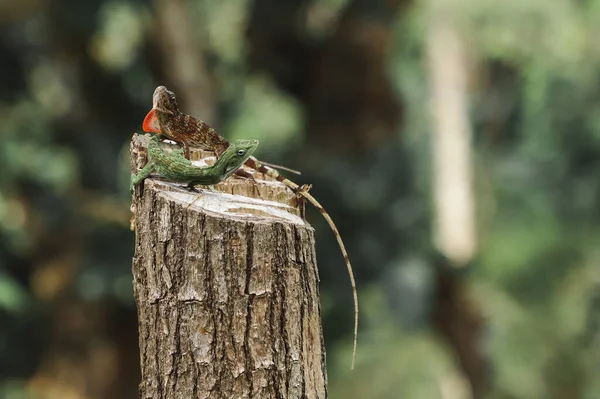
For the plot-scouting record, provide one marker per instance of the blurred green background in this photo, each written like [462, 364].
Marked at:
[456, 143]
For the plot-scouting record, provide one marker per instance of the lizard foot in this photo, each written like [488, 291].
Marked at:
[192, 188]
[305, 188]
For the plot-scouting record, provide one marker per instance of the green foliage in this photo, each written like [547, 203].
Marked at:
[266, 115]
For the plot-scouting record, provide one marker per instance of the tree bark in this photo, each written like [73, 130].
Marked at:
[226, 288]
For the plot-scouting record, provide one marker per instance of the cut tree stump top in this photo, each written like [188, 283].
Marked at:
[232, 197]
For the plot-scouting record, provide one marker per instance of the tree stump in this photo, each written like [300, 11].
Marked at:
[226, 288]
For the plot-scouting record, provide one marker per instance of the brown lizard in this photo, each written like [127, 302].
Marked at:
[165, 118]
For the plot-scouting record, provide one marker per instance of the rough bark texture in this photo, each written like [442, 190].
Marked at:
[227, 295]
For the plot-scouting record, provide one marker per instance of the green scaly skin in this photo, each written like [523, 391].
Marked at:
[175, 167]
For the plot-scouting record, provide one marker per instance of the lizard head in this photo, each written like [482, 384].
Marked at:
[164, 100]
[163, 104]
[236, 154]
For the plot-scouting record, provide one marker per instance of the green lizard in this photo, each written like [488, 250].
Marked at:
[175, 167]
[165, 118]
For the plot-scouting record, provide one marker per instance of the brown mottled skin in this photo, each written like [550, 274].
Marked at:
[166, 119]
[184, 128]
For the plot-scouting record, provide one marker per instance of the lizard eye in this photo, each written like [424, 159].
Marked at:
[241, 152]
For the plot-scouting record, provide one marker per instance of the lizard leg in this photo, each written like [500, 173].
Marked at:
[186, 149]
[304, 188]
[192, 188]
[145, 172]
[245, 174]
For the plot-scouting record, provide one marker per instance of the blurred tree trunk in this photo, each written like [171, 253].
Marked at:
[182, 59]
[456, 315]
[228, 306]
[342, 80]
[453, 170]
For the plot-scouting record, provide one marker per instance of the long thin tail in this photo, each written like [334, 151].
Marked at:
[255, 164]
[338, 237]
